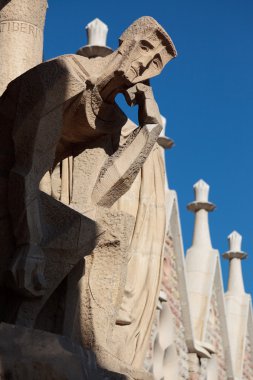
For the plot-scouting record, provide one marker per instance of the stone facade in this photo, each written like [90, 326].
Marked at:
[168, 357]
[170, 284]
[248, 359]
[214, 337]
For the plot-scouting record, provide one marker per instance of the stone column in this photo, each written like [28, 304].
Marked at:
[21, 37]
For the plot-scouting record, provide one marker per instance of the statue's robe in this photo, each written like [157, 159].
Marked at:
[145, 203]
[145, 200]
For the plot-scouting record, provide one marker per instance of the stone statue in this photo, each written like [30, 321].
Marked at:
[66, 108]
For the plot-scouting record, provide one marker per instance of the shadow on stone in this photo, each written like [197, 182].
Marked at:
[28, 354]
[3, 3]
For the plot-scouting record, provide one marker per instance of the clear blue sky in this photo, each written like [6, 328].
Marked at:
[206, 94]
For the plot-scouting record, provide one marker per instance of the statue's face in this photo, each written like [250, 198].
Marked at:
[146, 59]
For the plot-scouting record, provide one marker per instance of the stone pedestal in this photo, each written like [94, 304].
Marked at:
[21, 37]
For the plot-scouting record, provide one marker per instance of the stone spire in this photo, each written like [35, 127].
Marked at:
[96, 37]
[235, 255]
[201, 206]
[238, 306]
[201, 262]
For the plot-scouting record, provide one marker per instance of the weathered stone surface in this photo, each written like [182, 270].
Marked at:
[68, 237]
[21, 37]
[28, 354]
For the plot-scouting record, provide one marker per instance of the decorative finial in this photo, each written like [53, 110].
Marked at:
[201, 190]
[201, 206]
[235, 255]
[234, 243]
[96, 33]
[164, 141]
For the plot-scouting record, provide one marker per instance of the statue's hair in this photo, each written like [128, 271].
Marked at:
[144, 26]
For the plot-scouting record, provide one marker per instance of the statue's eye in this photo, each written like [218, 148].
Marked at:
[145, 46]
[157, 63]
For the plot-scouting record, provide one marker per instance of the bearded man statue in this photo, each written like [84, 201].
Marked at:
[66, 108]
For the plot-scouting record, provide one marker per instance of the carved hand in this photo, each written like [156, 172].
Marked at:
[28, 271]
[138, 93]
[142, 94]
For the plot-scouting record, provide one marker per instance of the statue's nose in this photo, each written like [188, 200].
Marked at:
[142, 64]
[144, 61]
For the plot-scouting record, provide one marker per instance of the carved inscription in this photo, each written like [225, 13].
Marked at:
[20, 27]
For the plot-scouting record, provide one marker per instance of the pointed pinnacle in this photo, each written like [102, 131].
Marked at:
[97, 32]
[234, 243]
[201, 190]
